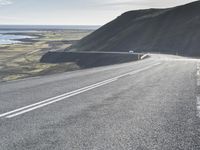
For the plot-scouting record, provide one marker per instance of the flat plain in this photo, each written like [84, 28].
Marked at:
[22, 60]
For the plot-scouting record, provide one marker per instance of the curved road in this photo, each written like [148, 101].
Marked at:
[152, 104]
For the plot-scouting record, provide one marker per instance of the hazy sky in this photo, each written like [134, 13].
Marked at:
[73, 12]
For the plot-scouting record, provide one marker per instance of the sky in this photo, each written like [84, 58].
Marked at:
[73, 12]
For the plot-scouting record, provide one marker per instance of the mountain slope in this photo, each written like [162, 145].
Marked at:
[171, 30]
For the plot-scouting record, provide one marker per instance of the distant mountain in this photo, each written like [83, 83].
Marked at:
[171, 30]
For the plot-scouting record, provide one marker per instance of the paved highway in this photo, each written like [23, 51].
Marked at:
[152, 104]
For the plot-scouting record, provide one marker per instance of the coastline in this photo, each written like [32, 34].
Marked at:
[22, 60]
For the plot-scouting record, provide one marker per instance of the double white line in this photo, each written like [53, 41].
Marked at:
[52, 100]
[198, 85]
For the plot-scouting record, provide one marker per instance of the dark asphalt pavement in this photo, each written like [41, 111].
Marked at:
[150, 104]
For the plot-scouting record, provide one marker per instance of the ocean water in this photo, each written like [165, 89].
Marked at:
[48, 27]
[11, 39]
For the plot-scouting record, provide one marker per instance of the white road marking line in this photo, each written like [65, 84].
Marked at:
[52, 100]
[198, 100]
[198, 72]
[198, 84]
[198, 66]
[198, 106]
[56, 100]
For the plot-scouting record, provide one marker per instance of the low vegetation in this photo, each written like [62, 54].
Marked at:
[22, 60]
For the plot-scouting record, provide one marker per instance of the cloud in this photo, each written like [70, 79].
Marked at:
[5, 2]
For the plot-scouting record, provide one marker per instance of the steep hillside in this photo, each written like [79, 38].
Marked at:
[172, 30]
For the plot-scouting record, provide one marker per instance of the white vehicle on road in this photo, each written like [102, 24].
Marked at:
[131, 51]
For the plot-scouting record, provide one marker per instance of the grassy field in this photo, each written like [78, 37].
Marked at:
[18, 61]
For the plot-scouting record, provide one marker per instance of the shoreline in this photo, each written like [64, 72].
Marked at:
[22, 60]
[36, 35]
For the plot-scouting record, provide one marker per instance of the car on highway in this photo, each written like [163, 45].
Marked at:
[131, 51]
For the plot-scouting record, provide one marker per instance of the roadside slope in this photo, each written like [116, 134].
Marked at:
[89, 59]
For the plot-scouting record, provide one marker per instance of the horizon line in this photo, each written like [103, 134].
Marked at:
[48, 25]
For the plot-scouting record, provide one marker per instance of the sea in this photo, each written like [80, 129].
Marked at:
[10, 38]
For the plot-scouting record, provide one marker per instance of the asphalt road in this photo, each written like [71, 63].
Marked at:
[152, 104]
